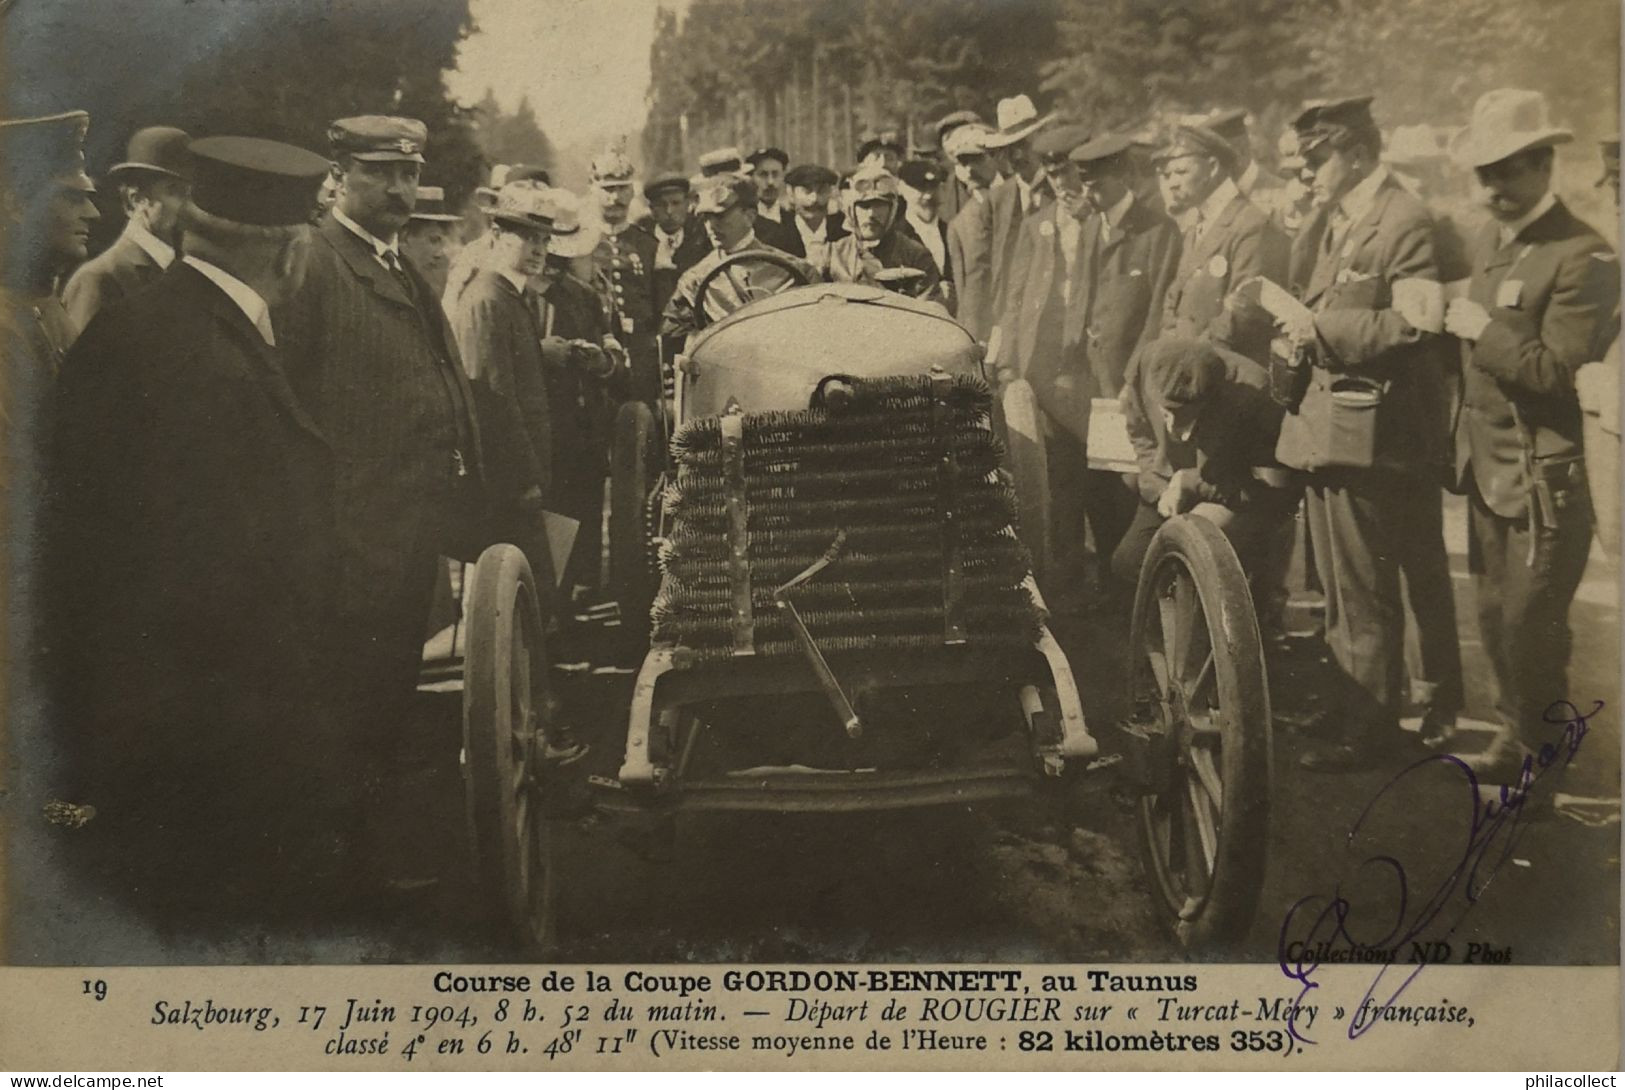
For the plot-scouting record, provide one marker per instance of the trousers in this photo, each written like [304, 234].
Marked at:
[1432, 649]
[1353, 517]
[1524, 582]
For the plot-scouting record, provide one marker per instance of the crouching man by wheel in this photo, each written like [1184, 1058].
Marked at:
[1204, 428]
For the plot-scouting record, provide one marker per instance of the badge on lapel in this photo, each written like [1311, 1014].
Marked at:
[1218, 267]
[1509, 294]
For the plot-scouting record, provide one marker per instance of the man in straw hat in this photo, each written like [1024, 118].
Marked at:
[152, 187]
[191, 653]
[1227, 242]
[586, 377]
[1366, 428]
[1021, 192]
[1541, 302]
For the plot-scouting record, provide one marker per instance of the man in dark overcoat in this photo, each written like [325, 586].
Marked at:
[192, 556]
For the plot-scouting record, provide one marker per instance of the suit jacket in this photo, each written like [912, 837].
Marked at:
[580, 402]
[1363, 344]
[501, 344]
[1552, 295]
[1004, 228]
[780, 234]
[1240, 244]
[116, 272]
[970, 252]
[385, 382]
[1078, 348]
[834, 231]
[1235, 432]
[192, 536]
[694, 246]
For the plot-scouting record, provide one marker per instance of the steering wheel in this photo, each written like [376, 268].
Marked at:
[797, 278]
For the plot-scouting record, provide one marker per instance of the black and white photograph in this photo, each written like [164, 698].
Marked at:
[794, 482]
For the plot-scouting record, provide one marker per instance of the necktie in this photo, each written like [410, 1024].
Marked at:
[392, 261]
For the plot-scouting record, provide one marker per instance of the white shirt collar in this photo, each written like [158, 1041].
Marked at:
[1024, 189]
[1248, 179]
[1217, 201]
[379, 246]
[770, 211]
[813, 234]
[249, 301]
[517, 279]
[153, 246]
[1357, 201]
[675, 239]
[1510, 231]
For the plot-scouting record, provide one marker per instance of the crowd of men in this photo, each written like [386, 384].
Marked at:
[260, 419]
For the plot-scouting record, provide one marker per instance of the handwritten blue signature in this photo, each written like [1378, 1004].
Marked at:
[1493, 829]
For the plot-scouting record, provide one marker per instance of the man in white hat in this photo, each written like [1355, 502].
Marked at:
[1022, 189]
[970, 234]
[152, 187]
[1544, 291]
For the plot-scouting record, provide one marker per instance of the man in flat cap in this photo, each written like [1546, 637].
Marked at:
[1203, 427]
[1542, 301]
[679, 239]
[816, 227]
[626, 262]
[970, 234]
[1226, 242]
[922, 182]
[1365, 429]
[151, 183]
[1021, 192]
[876, 252]
[727, 210]
[766, 167]
[387, 386]
[429, 239]
[191, 656]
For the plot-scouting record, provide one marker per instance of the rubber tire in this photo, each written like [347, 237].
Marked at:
[506, 712]
[632, 468]
[1028, 464]
[1198, 548]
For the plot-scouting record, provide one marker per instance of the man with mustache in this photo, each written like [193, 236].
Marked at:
[1543, 300]
[382, 376]
[1363, 430]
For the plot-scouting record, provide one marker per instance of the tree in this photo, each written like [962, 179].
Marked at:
[281, 70]
[512, 138]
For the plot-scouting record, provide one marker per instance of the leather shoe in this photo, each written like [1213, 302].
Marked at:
[1438, 729]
